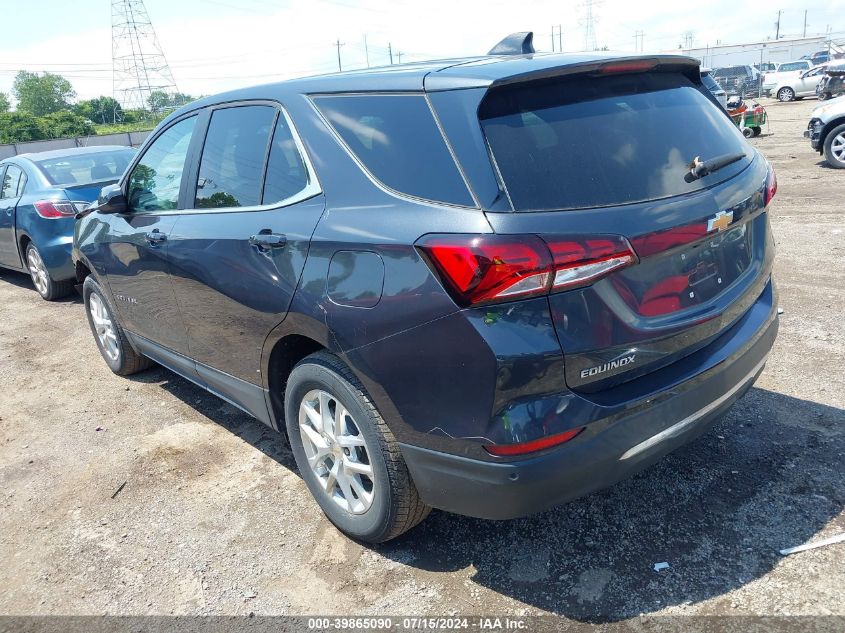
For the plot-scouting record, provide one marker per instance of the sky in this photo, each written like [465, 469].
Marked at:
[216, 45]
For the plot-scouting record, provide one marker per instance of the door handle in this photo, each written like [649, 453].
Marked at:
[156, 237]
[268, 240]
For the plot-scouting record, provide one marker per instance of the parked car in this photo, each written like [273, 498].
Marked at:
[826, 131]
[738, 80]
[832, 83]
[39, 196]
[819, 57]
[487, 286]
[792, 80]
[713, 87]
[766, 67]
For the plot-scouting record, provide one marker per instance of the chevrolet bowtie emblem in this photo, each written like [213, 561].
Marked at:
[720, 221]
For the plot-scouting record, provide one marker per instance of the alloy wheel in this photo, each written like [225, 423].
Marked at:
[786, 94]
[337, 451]
[103, 327]
[37, 271]
[837, 147]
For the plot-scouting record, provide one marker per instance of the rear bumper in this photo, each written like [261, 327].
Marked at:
[607, 451]
[56, 254]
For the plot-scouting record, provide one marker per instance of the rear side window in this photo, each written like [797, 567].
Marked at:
[789, 67]
[398, 141]
[589, 142]
[12, 182]
[232, 164]
[286, 172]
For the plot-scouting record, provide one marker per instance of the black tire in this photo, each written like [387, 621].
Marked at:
[45, 285]
[786, 94]
[396, 506]
[757, 130]
[836, 134]
[126, 361]
[747, 132]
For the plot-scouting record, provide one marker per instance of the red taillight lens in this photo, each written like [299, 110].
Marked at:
[578, 262]
[771, 186]
[483, 268]
[486, 268]
[52, 209]
[509, 450]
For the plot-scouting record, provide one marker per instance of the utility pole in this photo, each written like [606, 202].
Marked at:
[366, 50]
[339, 67]
[553, 38]
[390, 52]
[398, 57]
[559, 28]
[805, 23]
[777, 27]
[638, 40]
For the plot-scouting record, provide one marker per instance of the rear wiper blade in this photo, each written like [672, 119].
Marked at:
[699, 169]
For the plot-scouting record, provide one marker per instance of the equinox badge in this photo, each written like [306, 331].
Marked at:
[614, 364]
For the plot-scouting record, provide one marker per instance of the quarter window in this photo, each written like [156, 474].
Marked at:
[13, 182]
[233, 157]
[157, 178]
[398, 141]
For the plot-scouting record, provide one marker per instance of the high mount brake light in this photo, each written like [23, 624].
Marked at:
[632, 66]
[509, 450]
[52, 209]
[478, 269]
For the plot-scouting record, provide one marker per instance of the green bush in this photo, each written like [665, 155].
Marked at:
[17, 127]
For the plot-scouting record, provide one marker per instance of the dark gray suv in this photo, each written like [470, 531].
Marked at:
[484, 285]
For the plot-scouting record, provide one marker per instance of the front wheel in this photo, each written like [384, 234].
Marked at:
[834, 147]
[47, 287]
[786, 94]
[346, 454]
[109, 335]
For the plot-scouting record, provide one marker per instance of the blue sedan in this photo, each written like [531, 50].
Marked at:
[39, 196]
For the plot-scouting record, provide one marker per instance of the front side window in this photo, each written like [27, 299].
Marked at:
[155, 181]
[398, 141]
[12, 182]
[233, 157]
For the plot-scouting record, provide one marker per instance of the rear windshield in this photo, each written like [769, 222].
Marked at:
[588, 142]
[82, 169]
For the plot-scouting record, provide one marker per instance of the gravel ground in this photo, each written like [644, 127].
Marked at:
[214, 520]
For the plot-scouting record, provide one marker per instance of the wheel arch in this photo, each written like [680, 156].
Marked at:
[282, 357]
[828, 128]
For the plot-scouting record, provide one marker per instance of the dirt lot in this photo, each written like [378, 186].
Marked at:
[214, 520]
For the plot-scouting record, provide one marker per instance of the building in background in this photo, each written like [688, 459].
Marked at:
[767, 51]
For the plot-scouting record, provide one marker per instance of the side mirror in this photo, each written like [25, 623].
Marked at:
[111, 200]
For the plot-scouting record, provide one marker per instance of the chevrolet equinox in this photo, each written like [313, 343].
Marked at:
[486, 285]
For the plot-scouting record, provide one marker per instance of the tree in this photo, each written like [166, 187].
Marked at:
[100, 110]
[158, 100]
[42, 94]
[16, 127]
[5, 106]
[65, 124]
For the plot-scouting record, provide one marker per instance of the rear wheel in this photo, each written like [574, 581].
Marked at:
[109, 335]
[757, 130]
[747, 132]
[786, 94]
[346, 454]
[834, 147]
[46, 286]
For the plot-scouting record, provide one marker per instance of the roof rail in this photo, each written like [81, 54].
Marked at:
[521, 43]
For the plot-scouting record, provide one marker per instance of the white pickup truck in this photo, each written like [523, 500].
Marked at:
[793, 80]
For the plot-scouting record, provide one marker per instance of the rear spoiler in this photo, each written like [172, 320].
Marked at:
[549, 66]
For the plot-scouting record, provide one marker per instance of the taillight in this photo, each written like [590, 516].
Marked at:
[52, 209]
[509, 450]
[771, 186]
[480, 269]
[582, 261]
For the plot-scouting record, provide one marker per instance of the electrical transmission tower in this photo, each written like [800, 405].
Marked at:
[139, 67]
[589, 24]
